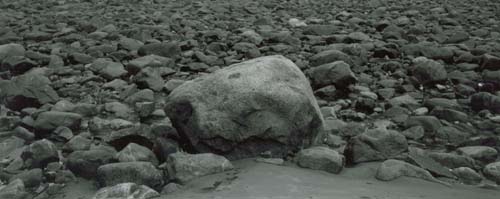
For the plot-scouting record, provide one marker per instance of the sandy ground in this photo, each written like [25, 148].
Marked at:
[254, 180]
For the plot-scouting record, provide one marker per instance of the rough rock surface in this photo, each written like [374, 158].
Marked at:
[393, 169]
[492, 171]
[28, 90]
[376, 144]
[126, 190]
[247, 108]
[86, 163]
[184, 167]
[14, 190]
[141, 173]
[80, 80]
[321, 158]
[136, 153]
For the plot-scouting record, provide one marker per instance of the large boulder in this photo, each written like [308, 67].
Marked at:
[264, 104]
[28, 90]
[141, 173]
[184, 167]
[376, 144]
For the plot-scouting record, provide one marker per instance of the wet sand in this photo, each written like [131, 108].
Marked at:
[254, 180]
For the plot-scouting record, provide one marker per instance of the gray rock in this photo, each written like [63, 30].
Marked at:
[144, 109]
[149, 77]
[108, 69]
[8, 123]
[62, 133]
[467, 175]
[172, 84]
[422, 159]
[136, 153]
[184, 167]
[321, 158]
[428, 71]
[337, 73]
[130, 44]
[77, 143]
[136, 65]
[10, 145]
[50, 120]
[482, 100]
[414, 132]
[452, 135]
[144, 95]
[252, 36]
[330, 56]
[24, 134]
[120, 110]
[376, 144]
[126, 190]
[404, 101]
[171, 188]
[275, 161]
[453, 161]
[38, 36]
[14, 190]
[28, 90]
[40, 153]
[141, 173]
[170, 50]
[483, 154]
[247, 108]
[31, 178]
[10, 50]
[17, 65]
[249, 50]
[81, 58]
[457, 37]
[430, 123]
[357, 37]
[56, 61]
[450, 115]
[492, 171]
[393, 169]
[318, 29]
[86, 163]
[441, 102]
[490, 62]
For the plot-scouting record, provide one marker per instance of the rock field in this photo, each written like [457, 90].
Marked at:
[150, 98]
